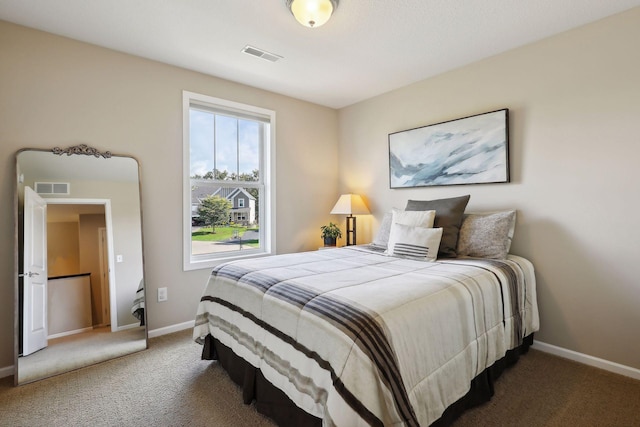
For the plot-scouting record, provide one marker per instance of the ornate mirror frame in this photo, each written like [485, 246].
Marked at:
[125, 293]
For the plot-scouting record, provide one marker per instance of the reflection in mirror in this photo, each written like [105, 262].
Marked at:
[80, 294]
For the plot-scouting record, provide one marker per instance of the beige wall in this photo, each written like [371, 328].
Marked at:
[58, 92]
[68, 304]
[63, 250]
[574, 103]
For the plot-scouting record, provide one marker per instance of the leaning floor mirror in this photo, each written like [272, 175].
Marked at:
[79, 260]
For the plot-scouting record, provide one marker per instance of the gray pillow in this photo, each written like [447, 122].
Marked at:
[448, 216]
[382, 237]
[486, 235]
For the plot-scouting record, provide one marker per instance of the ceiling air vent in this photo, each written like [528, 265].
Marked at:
[52, 187]
[259, 53]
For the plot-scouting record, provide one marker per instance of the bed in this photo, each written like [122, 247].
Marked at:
[357, 336]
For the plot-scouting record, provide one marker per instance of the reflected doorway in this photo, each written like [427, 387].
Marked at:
[79, 292]
[78, 264]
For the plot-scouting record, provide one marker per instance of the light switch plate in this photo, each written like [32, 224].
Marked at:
[162, 294]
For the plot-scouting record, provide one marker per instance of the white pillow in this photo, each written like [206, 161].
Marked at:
[418, 218]
[413, 218]
[419, 243]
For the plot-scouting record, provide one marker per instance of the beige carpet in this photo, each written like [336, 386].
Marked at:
[168, 385]
[545, 390]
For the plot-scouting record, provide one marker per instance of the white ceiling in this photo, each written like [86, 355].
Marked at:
[369, 46]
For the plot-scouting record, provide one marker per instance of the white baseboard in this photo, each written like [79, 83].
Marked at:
[585, 359]
[170, 329]
[129, 326]
[7, 371]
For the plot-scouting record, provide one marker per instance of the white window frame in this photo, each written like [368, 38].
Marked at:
[267, 204]
[241, 203]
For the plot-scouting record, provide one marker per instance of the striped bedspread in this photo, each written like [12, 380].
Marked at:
[355, 337]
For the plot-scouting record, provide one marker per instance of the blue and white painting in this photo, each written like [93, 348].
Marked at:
[472, 150]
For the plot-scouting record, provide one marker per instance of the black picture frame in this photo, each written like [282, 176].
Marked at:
[469, 150]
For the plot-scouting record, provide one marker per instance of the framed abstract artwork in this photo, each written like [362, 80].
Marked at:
[470, 150]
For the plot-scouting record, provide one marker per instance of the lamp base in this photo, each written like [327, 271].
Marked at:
[351, 230]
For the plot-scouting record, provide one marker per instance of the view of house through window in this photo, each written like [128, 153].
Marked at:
[226, 179]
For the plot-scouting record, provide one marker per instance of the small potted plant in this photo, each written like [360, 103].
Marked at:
[330, 233]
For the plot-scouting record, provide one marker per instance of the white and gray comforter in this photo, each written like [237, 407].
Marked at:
[355, 337]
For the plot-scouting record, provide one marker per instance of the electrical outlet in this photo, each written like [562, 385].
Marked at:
[162, 294]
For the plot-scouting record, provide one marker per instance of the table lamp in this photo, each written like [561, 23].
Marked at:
[350, 204]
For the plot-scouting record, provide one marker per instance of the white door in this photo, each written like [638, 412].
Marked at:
[34, 317]
[104, 277]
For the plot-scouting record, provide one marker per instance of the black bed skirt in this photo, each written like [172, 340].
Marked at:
[274, 404]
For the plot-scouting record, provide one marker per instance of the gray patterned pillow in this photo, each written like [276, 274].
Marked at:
[382, 237]
[486, 235]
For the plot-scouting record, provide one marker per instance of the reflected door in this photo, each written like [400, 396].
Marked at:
[103, 254]
[34, 334]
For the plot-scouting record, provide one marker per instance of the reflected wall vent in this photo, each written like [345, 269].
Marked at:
[52, 188]
[259, 53]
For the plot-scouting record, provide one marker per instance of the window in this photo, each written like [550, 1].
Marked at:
[228, 155]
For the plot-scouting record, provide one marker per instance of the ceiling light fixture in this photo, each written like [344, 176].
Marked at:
[312, 13]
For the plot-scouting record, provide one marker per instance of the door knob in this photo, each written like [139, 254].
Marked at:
[29, 274]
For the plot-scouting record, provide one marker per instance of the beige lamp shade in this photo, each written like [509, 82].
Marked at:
[350, 204]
